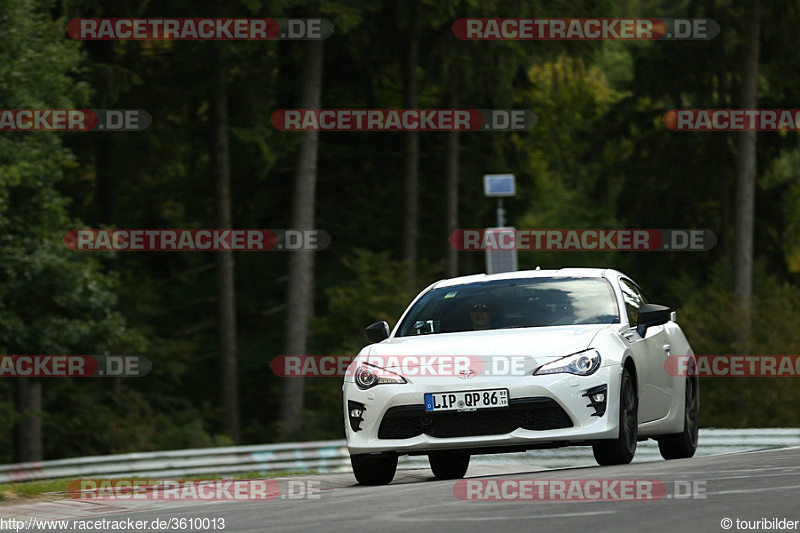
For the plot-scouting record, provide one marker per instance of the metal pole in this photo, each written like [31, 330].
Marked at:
[501, 221]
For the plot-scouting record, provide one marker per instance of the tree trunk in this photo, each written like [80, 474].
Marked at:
[226, 296]
[745, 183]
[726, 237]
[411, 152]
[28, 429]
[451, 186]
[300, 304]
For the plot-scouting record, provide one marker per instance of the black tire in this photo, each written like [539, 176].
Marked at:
[449, 464]
[374, 469]
[620, 451]
[683, 445]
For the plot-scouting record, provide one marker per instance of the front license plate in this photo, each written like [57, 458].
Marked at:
[466, 400]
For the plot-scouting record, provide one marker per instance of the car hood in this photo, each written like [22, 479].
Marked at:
[539, 345]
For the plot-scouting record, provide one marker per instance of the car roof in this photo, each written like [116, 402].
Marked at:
[522, 274]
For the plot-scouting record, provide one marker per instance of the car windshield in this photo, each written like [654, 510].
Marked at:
[516, 303]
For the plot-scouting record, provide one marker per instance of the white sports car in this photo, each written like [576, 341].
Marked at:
[520, 360]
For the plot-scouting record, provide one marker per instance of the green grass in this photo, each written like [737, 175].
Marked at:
[27, 489]
[58, 487]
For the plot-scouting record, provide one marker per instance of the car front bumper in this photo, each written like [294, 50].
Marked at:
[566, 390]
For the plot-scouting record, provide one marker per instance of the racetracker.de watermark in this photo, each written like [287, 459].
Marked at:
[463, 366]
[188, 240]
[74, 119]
[74, 366]
[585, 29]
[732, 119]
[199, 29]
[576, 489]
[597, 240]
[733, 366]
[403, 119]
[196, 490]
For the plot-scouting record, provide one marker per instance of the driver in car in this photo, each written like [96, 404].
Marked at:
[480, 312]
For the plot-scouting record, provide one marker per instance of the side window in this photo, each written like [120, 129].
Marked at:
[642, 295]
[633, 300]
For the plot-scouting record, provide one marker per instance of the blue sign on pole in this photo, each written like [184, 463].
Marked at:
[499, 185]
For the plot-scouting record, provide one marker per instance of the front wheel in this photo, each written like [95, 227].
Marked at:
[449, 464]
[620, 451]
[374, 469]
[683, 445]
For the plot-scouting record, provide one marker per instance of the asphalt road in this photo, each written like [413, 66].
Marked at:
[748, 486]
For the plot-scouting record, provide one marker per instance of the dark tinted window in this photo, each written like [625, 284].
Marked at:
[521, 303]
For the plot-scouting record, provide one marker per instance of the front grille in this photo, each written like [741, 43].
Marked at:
[538, 414]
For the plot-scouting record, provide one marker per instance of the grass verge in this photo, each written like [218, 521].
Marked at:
[57, 488]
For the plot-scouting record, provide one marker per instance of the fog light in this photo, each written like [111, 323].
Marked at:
[597, 399]
[355, 410]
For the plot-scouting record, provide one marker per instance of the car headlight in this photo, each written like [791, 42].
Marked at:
[581, 364]
[369, 375]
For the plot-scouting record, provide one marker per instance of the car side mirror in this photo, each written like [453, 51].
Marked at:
[377, 332]
[651, 315]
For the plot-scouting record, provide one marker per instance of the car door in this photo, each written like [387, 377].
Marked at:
[655, 385]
